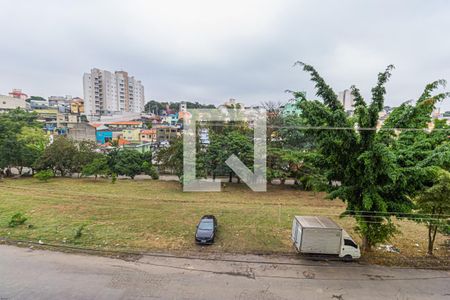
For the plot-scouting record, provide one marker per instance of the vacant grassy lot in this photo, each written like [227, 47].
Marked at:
[146, 215]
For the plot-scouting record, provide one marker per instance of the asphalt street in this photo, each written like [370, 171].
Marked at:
[39, 274]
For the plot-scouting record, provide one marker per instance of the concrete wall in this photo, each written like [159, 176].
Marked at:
[82, 132]
[10, 103]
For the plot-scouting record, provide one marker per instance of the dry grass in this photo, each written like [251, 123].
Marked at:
[150, 215]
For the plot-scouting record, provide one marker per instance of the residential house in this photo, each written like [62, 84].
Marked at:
[37, 103]
[142, 148]
[117, 134]
[49, 117]
[103, 134]
[77, 106]
[171, 119]
[82, 132]
[55, 101]
[231, 104]
[166, 133]
[124, 124]
[10, 103]
[18, 94]
[131, 134]
[148, 135]
[291, 108]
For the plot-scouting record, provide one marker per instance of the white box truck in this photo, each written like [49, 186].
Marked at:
[321, 235]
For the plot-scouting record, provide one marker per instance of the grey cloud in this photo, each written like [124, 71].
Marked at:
[210, 53]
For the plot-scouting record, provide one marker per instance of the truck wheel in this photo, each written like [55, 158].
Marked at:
[347, 258]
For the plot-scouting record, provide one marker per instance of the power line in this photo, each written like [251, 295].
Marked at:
[221, 124]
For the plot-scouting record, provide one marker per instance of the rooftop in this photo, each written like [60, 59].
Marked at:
[317, 222]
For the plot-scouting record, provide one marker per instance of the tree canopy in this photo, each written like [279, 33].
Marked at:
[366, 163]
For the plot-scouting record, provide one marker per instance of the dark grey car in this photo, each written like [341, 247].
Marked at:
[206, 230]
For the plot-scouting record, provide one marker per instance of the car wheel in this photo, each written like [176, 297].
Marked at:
[347, 258]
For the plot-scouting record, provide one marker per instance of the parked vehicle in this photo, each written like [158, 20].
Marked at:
[321, 235]
[206, 230]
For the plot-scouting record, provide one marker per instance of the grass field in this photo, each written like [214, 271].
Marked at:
[145, 215]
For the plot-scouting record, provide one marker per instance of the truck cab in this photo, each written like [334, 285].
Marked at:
[349, 249]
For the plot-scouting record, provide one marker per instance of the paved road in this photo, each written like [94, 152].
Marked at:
[36, 274]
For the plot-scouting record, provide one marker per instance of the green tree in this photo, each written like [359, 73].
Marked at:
[99, 166]
[12, 150]
[434, 206]
[222, 146]
[60, 156]
[127, 163]
[364, 167]
[157, 107]
[154, 107]
[171, 158]
[33, 142]
[378, 171]
[85, 155]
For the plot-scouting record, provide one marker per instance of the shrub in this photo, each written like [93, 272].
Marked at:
[150, 170]
[79, 231]
[154, 173]
[43, 175]
[16, 220]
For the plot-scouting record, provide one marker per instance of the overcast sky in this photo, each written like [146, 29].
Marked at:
[211, 51]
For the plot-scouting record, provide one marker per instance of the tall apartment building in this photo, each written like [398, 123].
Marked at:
[347, 99]
[106, 93]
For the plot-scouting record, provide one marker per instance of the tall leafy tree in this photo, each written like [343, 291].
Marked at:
[352, 156]
[378, 171]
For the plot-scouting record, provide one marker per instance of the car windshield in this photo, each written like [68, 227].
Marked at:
[205, 226]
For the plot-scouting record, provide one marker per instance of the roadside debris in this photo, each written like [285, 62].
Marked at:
[309, 275]
[389, 248]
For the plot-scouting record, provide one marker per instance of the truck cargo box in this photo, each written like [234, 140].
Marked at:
[316, 234]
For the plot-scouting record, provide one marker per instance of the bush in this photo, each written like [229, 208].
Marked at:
[150, 170]
[79, 231]
[154, 173]
[113, 178]
[43, 175]
[16, 220]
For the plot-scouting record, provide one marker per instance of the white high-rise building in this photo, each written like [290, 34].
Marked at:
[106, 93]
[346, 98]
